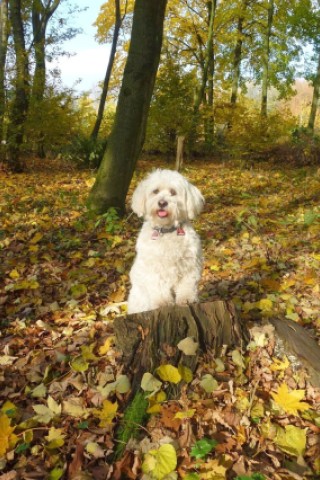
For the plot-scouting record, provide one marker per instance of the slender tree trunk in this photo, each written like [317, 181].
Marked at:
[211, 69]
[237, 55]
[208, 61]
[265, 61]
[117, 26]
[3, 55]
[40, 17]
[128, 132]
[20, 102]
[315, 98]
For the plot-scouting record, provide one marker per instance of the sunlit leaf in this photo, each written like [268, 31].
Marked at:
[290, 401]
[106, 346]
[168, 373]
[209, 383]
[159, 463]
[186, 373]
[188, 346]
[291, 440]
[149, 383]
[107, 413]
[7, 438]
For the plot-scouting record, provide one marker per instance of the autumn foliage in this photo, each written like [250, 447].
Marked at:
[64, 273]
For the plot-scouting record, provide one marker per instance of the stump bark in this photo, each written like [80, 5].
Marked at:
[150, 339]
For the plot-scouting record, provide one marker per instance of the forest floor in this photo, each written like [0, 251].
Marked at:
[64, 277]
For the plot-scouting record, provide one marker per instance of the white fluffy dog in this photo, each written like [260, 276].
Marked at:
[168, 264]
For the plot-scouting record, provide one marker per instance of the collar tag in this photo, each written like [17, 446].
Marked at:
[180, 231]
[155, 235]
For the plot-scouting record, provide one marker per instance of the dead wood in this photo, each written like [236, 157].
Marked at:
[297, 341]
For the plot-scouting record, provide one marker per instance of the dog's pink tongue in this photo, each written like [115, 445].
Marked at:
[162, 213]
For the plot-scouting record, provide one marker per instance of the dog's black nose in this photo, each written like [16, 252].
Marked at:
[162, 203]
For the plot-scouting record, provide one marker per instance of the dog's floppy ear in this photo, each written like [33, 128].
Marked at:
[194, 201]
[138, 202]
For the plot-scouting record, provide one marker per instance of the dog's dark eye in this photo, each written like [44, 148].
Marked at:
[155, 191]
[173, 192]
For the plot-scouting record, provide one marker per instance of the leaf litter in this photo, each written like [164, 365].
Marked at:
[248, 414]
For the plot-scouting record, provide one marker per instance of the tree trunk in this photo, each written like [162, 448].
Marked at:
[117, 26]
[20, 102]
[237, 56]
[208, 62]
[3, 55]
[40, 17]
[128, 132]
[211, 68]
[315, 98]
[149, 339]
[265, 61]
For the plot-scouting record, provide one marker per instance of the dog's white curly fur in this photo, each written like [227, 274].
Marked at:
[168, 264]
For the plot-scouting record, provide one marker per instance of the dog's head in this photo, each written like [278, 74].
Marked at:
[167, 198]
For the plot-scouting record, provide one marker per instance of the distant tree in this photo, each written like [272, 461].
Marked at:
[171, 107]
[127, 136]
[41, 14]
[238, 50]
[4, 32]
[265, 58]
[119, 16]
[20, 103]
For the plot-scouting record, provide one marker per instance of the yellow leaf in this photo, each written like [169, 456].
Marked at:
[79, 364]
[159, 463]
[7, 437]
[188, 346]
[78, 290]
[168, 373]
[9, 409]
[209, 383]
[74, 407]
[14, 274]
[291, 440]
[279, 365]
[265, 304]
[186, 373]
[106, 346]
[186, 414]
[290, 402]
[36, 238]
[107, 413]
[287, 284]
[211, 470]
[87, 352]
[55, 438]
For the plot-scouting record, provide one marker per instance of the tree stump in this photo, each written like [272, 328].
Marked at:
[150, 339]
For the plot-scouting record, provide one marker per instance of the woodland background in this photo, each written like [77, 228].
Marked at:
[226, 82]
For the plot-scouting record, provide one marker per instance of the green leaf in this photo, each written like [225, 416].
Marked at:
[78, 290]
[309, 217]
[203, 447]
[56, 474]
